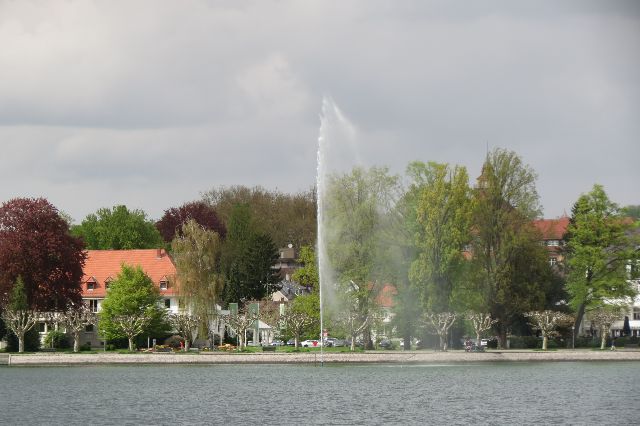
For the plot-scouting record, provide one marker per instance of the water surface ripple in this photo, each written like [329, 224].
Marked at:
[500, 393]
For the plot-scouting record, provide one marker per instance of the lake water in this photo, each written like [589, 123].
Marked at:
[501, 393]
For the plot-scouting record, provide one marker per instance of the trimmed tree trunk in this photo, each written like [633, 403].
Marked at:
[603, 338]
[187, 345]
[545, 339]
[21, 342]
[76, 342]
[578, 321]
[407, 342]
[130, 344]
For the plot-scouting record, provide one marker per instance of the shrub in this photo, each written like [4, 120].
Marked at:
[524, 342]
[174, 341]
[86, 346]
[31, 341]
[56, 339]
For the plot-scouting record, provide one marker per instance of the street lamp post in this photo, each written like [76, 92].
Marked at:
[573, 337]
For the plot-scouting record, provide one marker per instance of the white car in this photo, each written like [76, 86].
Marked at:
[311, 344]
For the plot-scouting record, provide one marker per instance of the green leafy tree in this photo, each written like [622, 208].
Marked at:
[600, 245]
[307, 275]
[118, 228]
[197, 253]
[511, 268]
[302, 316]
[247, 260]
[443, 207]
[356, 205]
[131, 307]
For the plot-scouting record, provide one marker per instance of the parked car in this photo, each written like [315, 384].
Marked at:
[291, 342]
[386, 344]
[310, 344]
[339, 343]
[277, 343]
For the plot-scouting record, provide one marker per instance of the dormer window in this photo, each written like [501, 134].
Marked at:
[91, 284]
[164, 285]
[107, 283]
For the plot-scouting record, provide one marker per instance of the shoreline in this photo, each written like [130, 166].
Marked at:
[311, 358]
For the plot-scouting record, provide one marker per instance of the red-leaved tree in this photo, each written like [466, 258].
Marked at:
[35, 244]
[171, 222]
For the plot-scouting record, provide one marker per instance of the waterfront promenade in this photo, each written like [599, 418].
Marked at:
[412, 357]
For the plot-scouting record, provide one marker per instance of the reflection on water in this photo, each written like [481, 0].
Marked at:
[505, 393]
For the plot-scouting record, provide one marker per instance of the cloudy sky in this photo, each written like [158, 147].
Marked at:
[149, 103]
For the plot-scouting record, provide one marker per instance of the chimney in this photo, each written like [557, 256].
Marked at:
[159, 253]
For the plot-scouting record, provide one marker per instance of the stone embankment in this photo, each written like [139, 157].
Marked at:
[413, 357]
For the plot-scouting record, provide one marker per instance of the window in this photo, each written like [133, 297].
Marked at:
[91, 286]
[553, 243]
[42, 328]
[553, 261]
[93, 305]
[164, 285]
[107, 283]
[89, 328]
[167, 303]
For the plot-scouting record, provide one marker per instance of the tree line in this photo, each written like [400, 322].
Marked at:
[448, 247]
[451, 247]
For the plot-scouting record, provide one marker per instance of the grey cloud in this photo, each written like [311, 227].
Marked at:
[151, 104]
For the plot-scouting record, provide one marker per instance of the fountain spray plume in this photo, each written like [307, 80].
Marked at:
[335, 132]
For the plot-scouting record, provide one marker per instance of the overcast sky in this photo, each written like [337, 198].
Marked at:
[149, 103]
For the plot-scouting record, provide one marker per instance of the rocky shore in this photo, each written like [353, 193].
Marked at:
[413, 357]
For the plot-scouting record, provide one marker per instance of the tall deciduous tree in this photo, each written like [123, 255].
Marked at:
[171, 223]
[248, 257]
[356, 205]
[197, 253]
[118, 228]
[286, 218]
[35, 244]
[443, 207]
[512, 267]
[131, 306]
[600, 245]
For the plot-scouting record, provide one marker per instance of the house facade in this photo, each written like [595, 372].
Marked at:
[553, 231]
[103, 266]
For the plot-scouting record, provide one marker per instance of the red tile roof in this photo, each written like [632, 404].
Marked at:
[103, 265]
[386, 297]
[552, 229]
